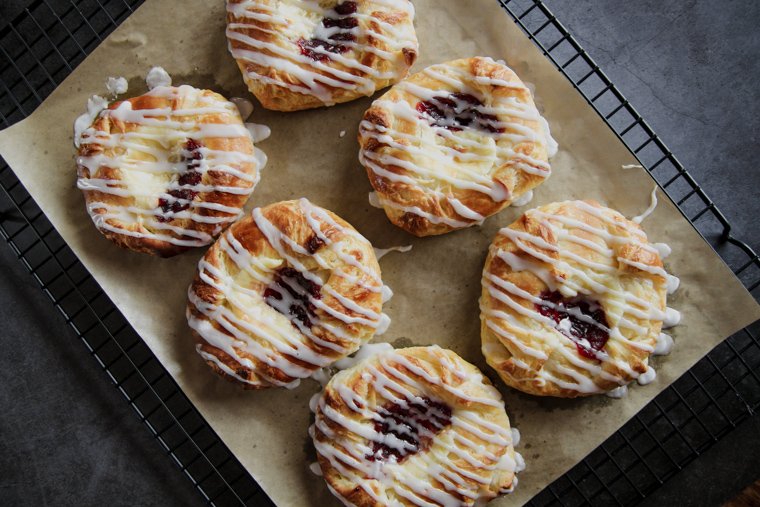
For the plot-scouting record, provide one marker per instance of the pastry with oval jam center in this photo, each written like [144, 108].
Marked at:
[454, 144]
[301, 54]
[285, 291]
[415, 426]
[168, 170]
[574, 301]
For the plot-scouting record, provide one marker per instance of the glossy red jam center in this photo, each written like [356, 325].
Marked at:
[191, 156]
[289, 294]
[414, 425]
[339, 22]
[457, 111]
[589, 337]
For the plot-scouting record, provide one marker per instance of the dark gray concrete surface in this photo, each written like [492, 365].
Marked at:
[691, 68]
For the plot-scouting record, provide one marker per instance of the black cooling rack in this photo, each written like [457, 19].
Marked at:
[42, 45]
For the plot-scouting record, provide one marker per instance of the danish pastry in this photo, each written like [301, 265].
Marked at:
[168, 170]
[453, 144]
[415, 426]
[573, 301]
[284, 292]
[301, 54]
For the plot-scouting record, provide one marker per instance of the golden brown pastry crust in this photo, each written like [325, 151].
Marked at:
[415, 426]
[453, 144]
[270, 40]
[556, 251]
[242, 279]
[134, 158]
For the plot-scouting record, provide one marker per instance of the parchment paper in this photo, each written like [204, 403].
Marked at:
[436, 285]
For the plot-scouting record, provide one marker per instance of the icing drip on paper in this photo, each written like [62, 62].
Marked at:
[292, 292]
[618, 392]
[314, 467]
[649, 210]
[374, 200]
[318, 46]
[95, 105]
[664, 345]
[382, 252]
[523, 199]
[245, 107]
[632, 166]
[258, 132]
[365, 352]
[408, 428]
[157, 77]
[116, 86]
[647, 377]
[583, 280]
[163, 166]
[443, 149]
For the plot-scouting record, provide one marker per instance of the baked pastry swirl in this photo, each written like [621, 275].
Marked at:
[168, 170]
[573, 301]
[285, 291]
[453, 144]
[415, 426]
[300, 54]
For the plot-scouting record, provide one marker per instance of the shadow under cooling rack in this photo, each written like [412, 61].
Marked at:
[42, 45]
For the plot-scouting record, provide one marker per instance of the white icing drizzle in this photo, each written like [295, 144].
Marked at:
[150, 163]
[314, 467]
[275, 336]
[276, 48]
[515, 436]
[650, 209]
[673, 283]
[382, 252]
[258, 132]
[374, 200]
[365, 352]
[664, 345]
[572, 275]
[245, 106]
[618, 392]
[116, 86]
[157, 77]
[552, 147]
[471, 436]
[95, 105]
[632, 166]
[663, 249]
[447, 162]
[523, 199]
[647, 377]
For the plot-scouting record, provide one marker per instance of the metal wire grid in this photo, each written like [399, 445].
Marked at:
[42, 46]
[721, 390]
[38, 50]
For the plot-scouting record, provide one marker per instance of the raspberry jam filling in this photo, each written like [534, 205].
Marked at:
[456, 112]
[589, 337]
[289, 294]
[191, 156]
[341, 17]
[413, 425]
